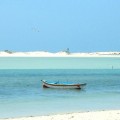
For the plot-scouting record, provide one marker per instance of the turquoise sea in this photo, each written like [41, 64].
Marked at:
[21, 92]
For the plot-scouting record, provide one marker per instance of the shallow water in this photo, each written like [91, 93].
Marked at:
[59, 62]
[21, 92]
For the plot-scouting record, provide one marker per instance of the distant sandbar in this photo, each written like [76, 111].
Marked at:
[7, 53]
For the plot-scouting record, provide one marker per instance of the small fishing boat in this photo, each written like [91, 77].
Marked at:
[62, 85]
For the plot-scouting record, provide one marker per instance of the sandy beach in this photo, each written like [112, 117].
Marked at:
[98, 115]
[57, 54]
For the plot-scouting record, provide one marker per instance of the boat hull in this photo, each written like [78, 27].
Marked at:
[62, 86]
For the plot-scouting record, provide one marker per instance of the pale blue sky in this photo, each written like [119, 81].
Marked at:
[54, 25]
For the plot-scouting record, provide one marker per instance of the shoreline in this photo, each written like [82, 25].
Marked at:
[89, 115]
[58, 54]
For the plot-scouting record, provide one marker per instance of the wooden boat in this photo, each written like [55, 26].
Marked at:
[57, 85]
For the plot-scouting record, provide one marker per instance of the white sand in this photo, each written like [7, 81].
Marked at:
[98, 115]
[58, 54]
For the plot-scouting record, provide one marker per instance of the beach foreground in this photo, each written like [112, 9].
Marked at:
[98, 115]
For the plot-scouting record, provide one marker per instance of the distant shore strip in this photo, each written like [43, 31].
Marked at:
[7, 53]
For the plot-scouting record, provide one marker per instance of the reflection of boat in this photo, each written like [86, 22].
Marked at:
[57, 85]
